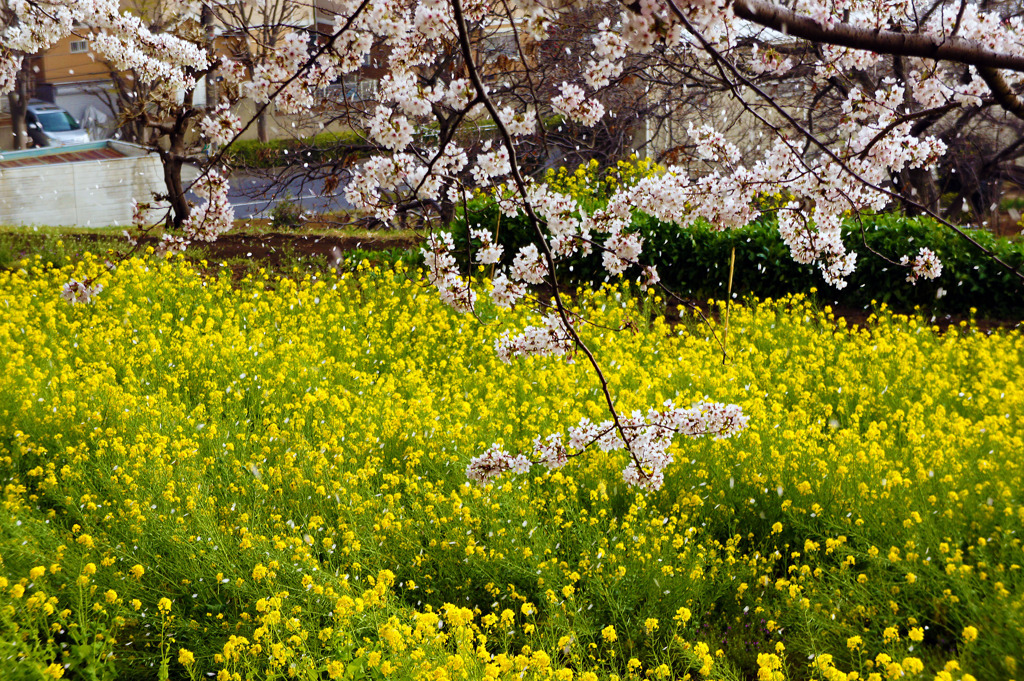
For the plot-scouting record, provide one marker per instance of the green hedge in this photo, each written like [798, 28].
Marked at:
[351, 144]
[694, 262]
[281, 152]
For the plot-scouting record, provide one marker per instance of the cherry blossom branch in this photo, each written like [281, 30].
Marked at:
[646, 437]
[719, 58]
[946, 48]
[532, 216]
[1002, 93]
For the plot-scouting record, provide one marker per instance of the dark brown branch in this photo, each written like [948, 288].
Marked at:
[1002, 93]
[951, 48]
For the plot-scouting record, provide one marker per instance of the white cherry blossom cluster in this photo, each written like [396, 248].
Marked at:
[551, 451]
[608, 44]
[645, 437]
[518, 124]
[495, 461]
[215, 215]
[553, 338]
[926, 265]
[443, 273]
[292, 74]
[434, 19]
[75, 291]
[609, 50]
[170, 244]
[9, 67]
[574, 103]
[491, 164]
[621, 251]
[220, 125]
[390, 130]
[505, 292]
[528, 266]
[489, 252]
[769, 61]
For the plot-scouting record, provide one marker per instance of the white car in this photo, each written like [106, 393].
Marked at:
[51, 126]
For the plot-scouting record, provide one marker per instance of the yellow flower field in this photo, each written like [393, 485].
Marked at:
[207, 478]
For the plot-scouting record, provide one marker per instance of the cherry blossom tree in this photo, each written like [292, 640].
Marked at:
[954, 56]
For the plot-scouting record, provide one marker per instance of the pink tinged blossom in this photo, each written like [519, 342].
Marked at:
[600, 73]
[769, 61]
[494, 462]
[509, 203]
[587, 433]
[651, 277]
[170, 244]
[413, 100]
[607, 43]
[621, 251]
[639, 32]
[293, 49]
[460, 94]
[9, 73]
[712, 145]
[648, 437]
[434, 20]
[232, 72]
[352, 47]
[75, 291]
[819, 241]
[518, 123]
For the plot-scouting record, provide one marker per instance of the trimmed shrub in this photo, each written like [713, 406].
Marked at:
[694, 261]
[276, 153]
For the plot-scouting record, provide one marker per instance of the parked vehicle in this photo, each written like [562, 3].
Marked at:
[51, 126]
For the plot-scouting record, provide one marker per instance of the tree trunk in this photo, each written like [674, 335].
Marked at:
[262, 125]
[172, 163]
[919, 186]
[18, 99]
[172, 159]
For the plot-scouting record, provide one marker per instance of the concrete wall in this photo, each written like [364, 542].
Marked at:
[83, 194]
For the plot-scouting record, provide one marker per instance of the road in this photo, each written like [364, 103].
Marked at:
[254, 196]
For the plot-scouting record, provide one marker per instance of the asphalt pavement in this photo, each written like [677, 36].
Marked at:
[255, 196]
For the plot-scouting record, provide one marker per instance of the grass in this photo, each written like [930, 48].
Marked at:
[266, 478]
[60, 245]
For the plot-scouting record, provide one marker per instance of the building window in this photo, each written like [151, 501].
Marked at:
[79, 46]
